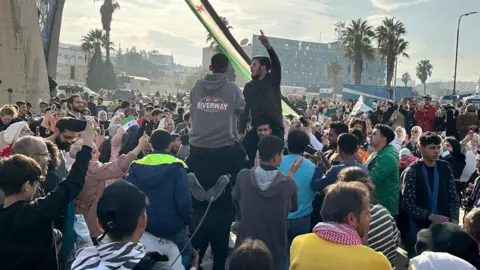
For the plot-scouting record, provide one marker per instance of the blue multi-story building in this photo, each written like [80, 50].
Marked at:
[303, 63]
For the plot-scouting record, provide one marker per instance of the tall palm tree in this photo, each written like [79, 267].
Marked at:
[332, 71]
[424, 70]
[391, 43]
[357, 43]
[90, 40]
[211, 41]
[107, 10]
[406, 78]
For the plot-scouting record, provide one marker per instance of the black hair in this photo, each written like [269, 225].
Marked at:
[430, 138]
[386, 132]
[263, 61]
[251, 255]
[297, 141]
[20, 103]
[72, 98]
[219, 63]
[347, 143]
[180, 111]
[359, 135]
[270, 146]
[125, 105]
[157, 111]
[100, 98]
[43, 103]
[63, 100]
[262, 121]
[186, 117]
[175, 136]
[160, 140]
[16, 170]
[149, 108]
[339, 128]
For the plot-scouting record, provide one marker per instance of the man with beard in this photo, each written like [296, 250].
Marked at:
[429, 193]
[149, 126]
[75, 107]
[335, 130]
[263, 96]
[66, 131]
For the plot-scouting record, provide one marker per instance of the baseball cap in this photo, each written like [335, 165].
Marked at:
[121, 204]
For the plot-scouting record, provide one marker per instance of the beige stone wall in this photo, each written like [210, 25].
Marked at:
[22, 63]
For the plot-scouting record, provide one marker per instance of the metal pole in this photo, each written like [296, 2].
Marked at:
[456, 57]
[395, 80]
[456, 51]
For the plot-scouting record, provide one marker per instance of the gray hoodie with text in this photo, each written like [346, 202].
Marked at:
[216, 105]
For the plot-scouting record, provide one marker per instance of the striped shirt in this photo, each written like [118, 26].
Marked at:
[383, 235]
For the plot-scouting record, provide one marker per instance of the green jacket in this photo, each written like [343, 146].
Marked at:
[383, 169]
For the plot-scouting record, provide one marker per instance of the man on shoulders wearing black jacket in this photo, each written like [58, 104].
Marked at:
[263, 96]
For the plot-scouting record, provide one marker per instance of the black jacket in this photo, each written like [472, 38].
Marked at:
[26, 234]
[263, 97]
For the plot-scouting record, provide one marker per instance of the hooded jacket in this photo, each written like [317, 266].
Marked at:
[117, 255]
[163, 178]
[216, 107]
[265, 197]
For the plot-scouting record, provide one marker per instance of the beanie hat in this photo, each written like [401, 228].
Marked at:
[405, 152]
[13, 132]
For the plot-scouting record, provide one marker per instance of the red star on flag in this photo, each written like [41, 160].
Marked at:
[200, 8]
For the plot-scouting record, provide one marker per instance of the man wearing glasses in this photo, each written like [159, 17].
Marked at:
[467, 121]
[425, 114]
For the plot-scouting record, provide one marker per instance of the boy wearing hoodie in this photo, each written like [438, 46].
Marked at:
[265, 197]
[216, 105]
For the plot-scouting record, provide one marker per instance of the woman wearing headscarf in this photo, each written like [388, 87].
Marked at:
[451, 125]
[103, 119]
[413, 142]
[12, 134]
[400, 137]
[455, 156]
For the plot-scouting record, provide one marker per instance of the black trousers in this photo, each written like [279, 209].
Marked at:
[208, 165]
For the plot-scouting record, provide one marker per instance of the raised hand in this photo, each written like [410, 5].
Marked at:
[295, 166]
[264, 40]
[89, 135]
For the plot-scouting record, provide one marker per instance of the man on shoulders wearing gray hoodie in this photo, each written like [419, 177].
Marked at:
[215, 156]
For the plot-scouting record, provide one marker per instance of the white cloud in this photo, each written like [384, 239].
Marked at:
[170, 27]
[390, 5]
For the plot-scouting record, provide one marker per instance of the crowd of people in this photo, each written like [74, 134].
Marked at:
[157, 181]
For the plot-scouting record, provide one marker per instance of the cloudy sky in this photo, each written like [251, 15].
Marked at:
[170, 27]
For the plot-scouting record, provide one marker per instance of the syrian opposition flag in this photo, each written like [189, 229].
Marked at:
[128, 122]
[204, 11]
[363, 105]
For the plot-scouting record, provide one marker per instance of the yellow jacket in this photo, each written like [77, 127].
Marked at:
[312, 252]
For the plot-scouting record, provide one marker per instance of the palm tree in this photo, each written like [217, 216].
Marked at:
[90, 40]
[357, 43]
[213, 44]
[332, 71]
[391, 43]
[406, 78]
[424, 70]
[107, 10]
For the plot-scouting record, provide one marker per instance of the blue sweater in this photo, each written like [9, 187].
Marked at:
[303, 178]
[321, 181]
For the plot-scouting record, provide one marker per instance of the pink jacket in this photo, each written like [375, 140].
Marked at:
[95, 183]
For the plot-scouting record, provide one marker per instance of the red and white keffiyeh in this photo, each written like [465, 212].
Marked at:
[337, 233]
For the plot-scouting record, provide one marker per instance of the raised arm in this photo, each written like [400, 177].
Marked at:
[52, 205]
